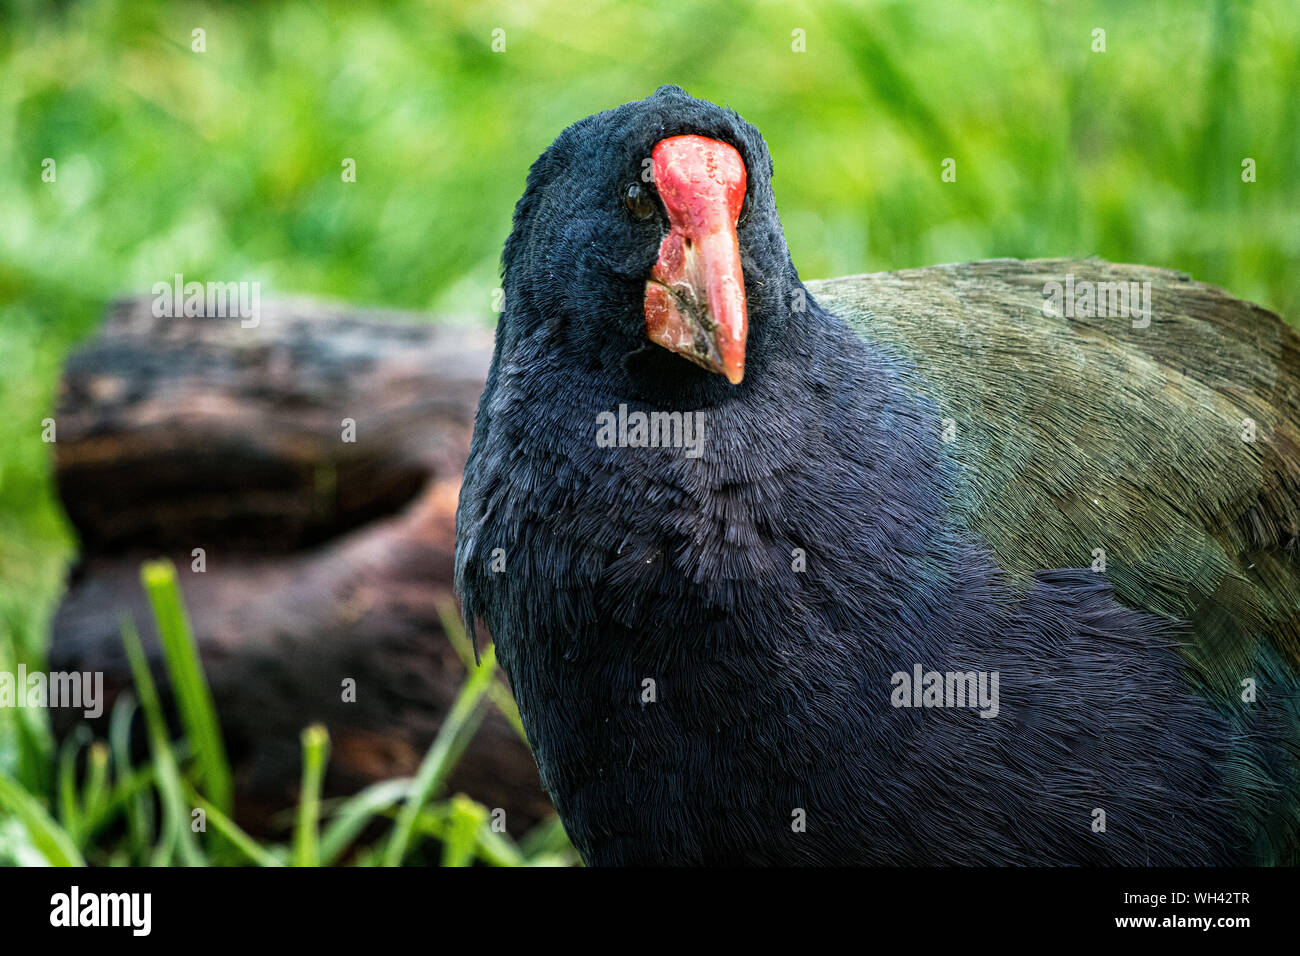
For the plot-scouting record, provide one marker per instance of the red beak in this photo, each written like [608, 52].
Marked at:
[695, 299]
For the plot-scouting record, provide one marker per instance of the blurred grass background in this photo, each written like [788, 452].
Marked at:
[225, 165]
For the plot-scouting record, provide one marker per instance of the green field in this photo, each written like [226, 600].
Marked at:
[225, 165]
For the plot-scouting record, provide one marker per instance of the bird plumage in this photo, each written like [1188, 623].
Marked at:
[914, 470]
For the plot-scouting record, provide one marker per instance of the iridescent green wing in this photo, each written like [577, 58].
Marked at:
[1168, 448]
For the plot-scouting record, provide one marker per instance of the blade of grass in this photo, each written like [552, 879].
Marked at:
[95, 790]
[139, 810]
[70, 814]
[436, 820]
[53, 842]
[176, 833]
[356, 812]
[497, 848]
[193, 696]
[456, 730]
[545, 839]
[306, 835]
[121, 800]
[461, 836]
[231, 830]
[498, 692]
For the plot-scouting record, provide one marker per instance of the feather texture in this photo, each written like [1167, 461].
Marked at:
[919, 470]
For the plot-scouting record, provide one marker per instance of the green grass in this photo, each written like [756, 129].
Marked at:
[198, 714]
[112, 811]
[225, 165]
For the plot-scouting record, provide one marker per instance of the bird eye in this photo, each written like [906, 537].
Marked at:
[639, 202]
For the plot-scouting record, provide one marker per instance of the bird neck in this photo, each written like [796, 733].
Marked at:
[696, 512]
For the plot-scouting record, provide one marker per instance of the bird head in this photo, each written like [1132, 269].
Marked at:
[648, 237]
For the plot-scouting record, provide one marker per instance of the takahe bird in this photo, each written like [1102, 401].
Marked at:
[780, 579]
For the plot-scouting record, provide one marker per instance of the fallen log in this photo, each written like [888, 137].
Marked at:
[302, 475]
